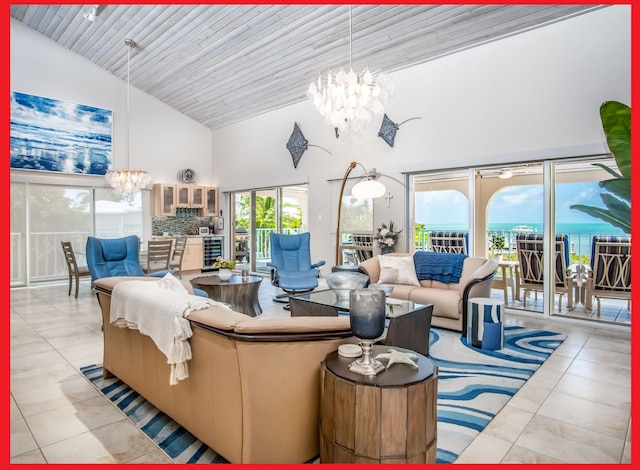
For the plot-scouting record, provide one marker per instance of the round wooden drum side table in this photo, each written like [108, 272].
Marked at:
[389, 418]
[241, 295]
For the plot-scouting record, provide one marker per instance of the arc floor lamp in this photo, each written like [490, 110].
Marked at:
[367, 188]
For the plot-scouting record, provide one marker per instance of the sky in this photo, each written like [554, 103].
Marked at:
[513, 204]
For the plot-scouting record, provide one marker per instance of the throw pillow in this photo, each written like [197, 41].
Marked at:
[397, 270]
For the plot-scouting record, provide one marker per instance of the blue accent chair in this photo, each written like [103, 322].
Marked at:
[108, 257]
[291, 267]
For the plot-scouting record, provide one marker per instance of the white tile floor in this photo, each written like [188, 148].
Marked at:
[575, 409]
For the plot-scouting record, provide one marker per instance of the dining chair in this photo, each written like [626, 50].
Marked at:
[75, 271]
[610, 270]
[175, 262]
[158, 255]
[529, 248]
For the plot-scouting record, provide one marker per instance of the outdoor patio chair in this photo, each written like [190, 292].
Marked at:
[529, 247]
[75, 271]
[449, 242]
[610, 274]
[362, 246]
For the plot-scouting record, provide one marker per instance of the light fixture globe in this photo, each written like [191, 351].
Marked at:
[368, 189]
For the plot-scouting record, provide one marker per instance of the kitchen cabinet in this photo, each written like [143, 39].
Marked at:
[190, 196]
[211, 202]
[192, 259]
[165, 199]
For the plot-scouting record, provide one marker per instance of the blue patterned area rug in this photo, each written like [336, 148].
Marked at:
[473, 385]
[173, 439]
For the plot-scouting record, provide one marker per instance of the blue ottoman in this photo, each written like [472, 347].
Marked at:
[485, 328]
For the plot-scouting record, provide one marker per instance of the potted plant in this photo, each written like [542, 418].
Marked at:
[497, 245]
[616, 123]
[224, 267]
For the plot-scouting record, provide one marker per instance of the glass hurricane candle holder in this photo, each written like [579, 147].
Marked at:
[367, 315]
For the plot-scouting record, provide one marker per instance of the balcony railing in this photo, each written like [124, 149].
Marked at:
[47, 261]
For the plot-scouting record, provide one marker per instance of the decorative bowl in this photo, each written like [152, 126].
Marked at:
[342, 282]
[385, 287]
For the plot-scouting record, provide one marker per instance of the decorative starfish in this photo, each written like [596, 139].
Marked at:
[396, 356]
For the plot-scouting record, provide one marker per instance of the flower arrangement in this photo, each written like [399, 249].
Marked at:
[223, 263]
[387, 236]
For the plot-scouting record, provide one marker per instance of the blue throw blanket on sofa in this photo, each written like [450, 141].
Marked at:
[437, 266]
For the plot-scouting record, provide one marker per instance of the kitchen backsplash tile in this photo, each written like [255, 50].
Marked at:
[179, 225]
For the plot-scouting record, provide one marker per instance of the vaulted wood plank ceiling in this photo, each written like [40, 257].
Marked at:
[220, 64]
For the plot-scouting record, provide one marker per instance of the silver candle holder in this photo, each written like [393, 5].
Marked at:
[367, 315]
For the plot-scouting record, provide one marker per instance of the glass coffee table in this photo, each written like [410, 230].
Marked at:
[408, 323]
[327, 303]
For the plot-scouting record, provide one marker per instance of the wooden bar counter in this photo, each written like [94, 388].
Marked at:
[389, 418]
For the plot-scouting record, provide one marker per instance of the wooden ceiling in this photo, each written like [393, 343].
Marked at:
[220, 64]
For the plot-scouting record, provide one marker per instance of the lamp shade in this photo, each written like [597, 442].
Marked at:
[368, 189]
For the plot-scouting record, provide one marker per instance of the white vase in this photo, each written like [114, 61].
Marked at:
[224, 274]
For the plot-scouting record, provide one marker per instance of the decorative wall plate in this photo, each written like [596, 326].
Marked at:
[189, 176]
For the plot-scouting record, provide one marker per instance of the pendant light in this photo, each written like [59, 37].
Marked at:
[128, 181]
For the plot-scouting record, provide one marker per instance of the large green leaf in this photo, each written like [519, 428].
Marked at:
[620, 219]
[616, 123]
[621, 187]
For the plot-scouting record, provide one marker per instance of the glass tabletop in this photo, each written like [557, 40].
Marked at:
[331, 298]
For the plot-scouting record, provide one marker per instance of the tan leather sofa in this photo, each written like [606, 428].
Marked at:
[253, 390]
[449, 300]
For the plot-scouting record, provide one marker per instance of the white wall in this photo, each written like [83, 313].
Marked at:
[162, 140]
[533, 95]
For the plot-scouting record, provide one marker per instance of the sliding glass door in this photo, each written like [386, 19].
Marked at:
[536, 204]
[259, 212]
[44, 215]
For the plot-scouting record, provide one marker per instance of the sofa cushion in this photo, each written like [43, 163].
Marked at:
[275, 324]
[397, 270]
[446, 303]
[218, 317]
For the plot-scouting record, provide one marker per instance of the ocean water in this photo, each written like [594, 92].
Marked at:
[580, 234]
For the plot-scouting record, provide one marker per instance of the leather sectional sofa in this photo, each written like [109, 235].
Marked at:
[253, 390]
[449, 299]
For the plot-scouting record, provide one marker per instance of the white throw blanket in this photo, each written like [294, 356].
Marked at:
[158, 309]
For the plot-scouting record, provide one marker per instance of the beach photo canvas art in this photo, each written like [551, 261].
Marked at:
[53, 135]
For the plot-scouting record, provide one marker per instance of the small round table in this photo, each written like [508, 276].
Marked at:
[387, 418]
[241, 295]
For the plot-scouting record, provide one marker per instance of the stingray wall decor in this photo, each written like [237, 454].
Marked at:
[297, 145]
[388, 129]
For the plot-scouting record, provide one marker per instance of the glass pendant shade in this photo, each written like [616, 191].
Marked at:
[368, 189]
[349, 102]
[128, 181]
